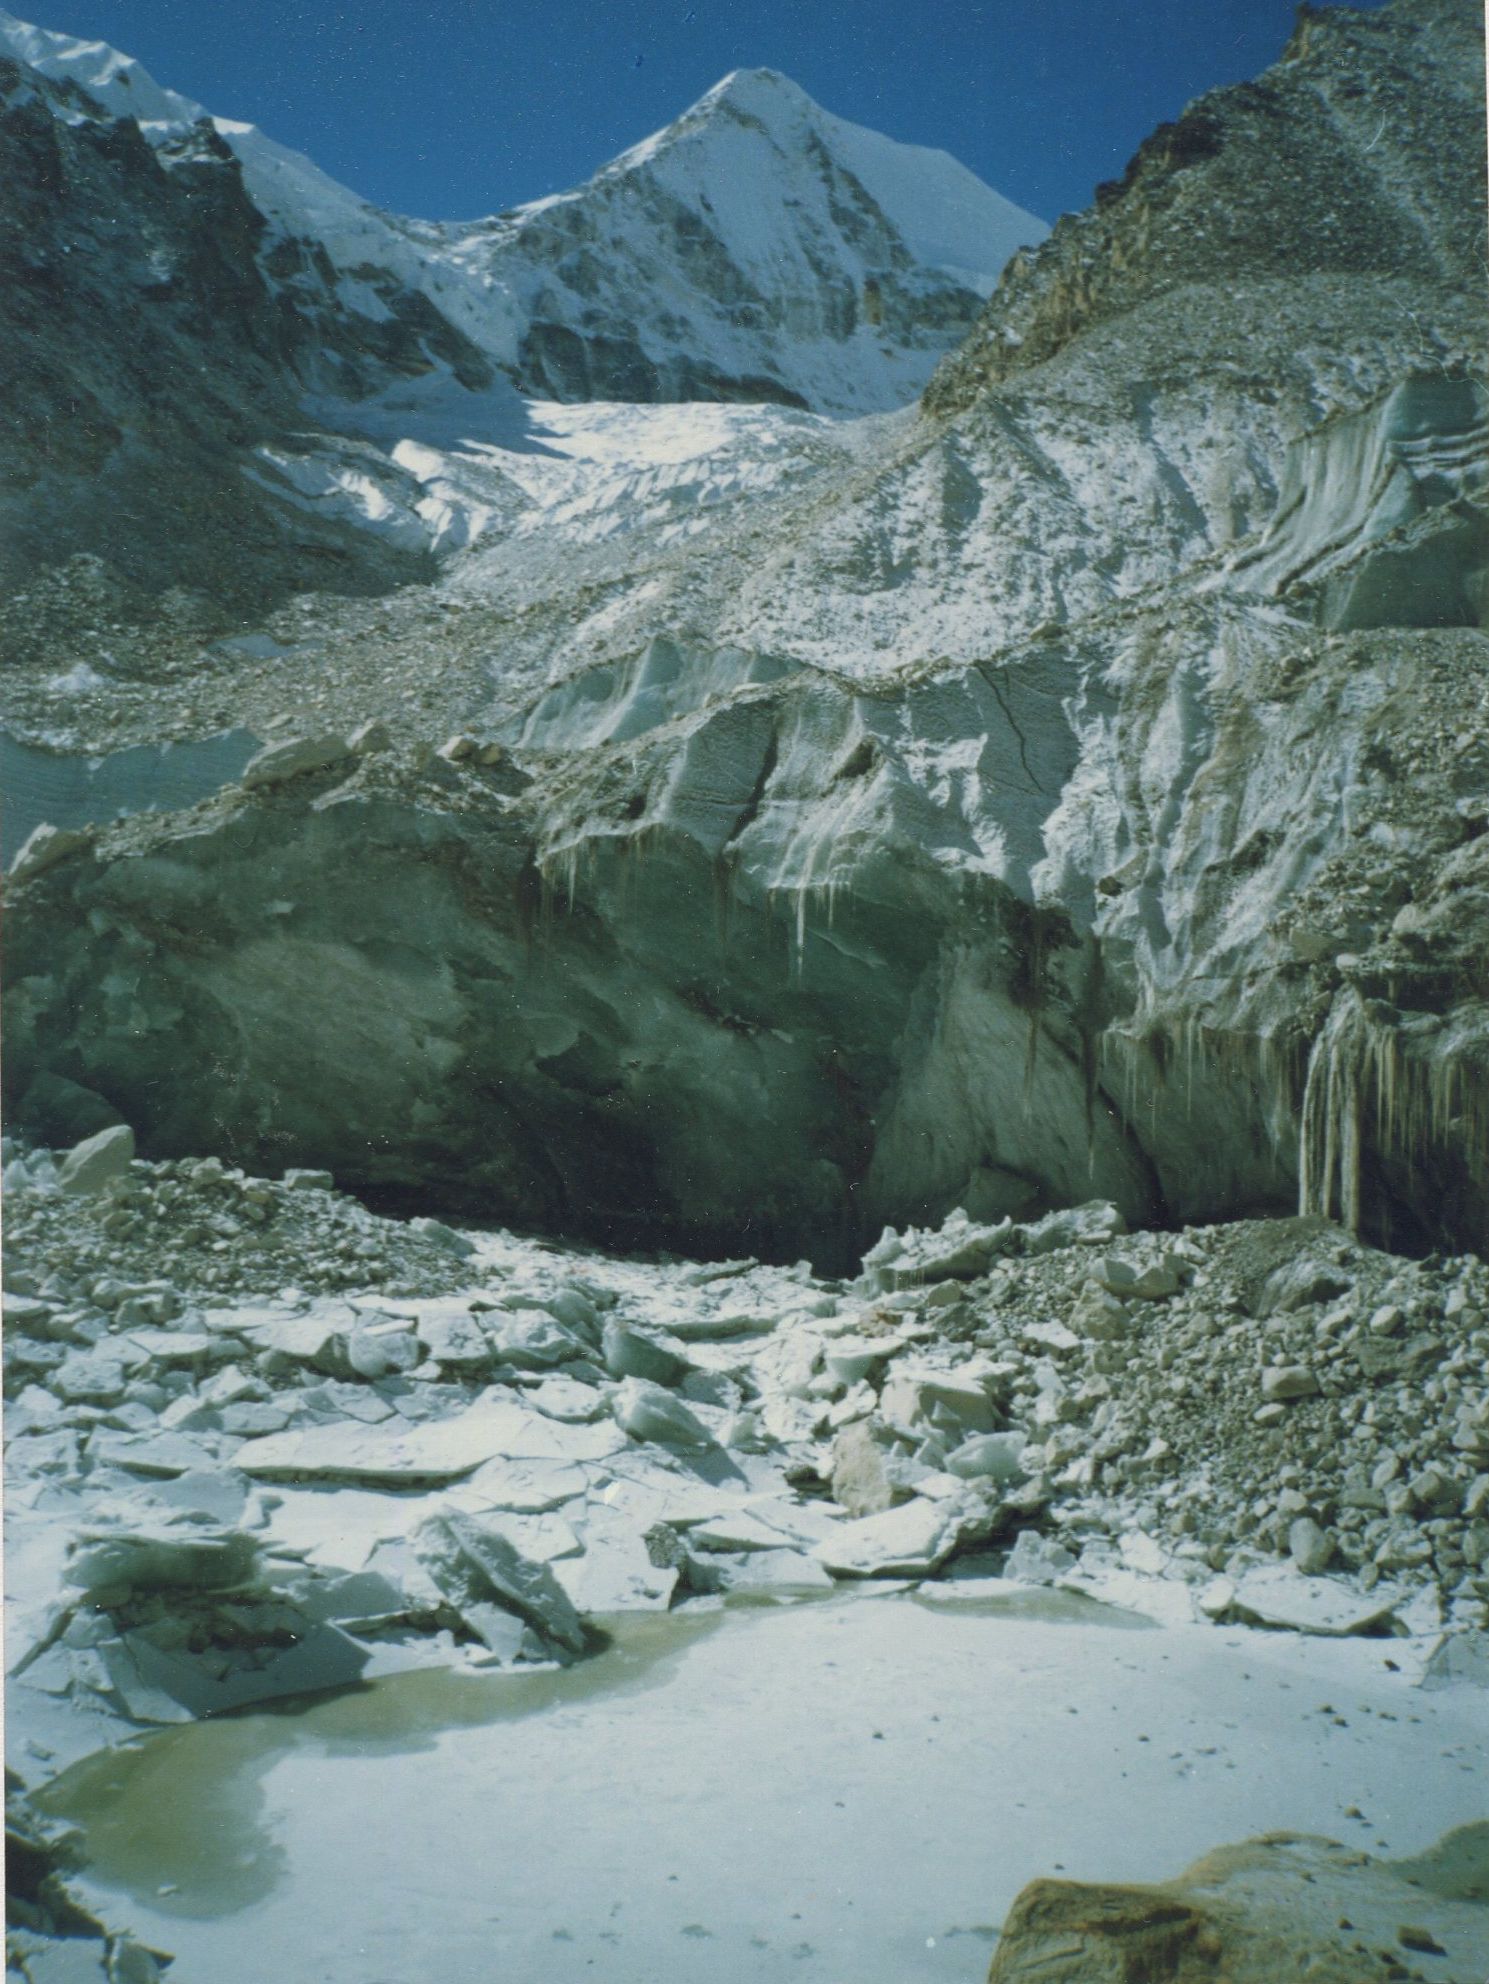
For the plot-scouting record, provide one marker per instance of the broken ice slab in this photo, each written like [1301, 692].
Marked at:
[474, 1565]
[1278, 1595]
[632, 1353]
[701, 1327]
[916, 1537]
[1086, 1226]
[776, 1573]
[160, 1556]
[437, 1450]
[647, 1412]
[959, 1251]
[160, 1453]
[525, 1487]
[918, 1400]
[615, 1574]
[324, 1657]
[568, 1399]
[533, 1340]
[1036, 1559]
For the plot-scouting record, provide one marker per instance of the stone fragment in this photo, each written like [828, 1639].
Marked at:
[276, 764]
[1299, 1284]
[860, 1479]
[1128, 1282]
[1310, 1547]
[97, 1161]
[1281, 1382]
[1100, 1315]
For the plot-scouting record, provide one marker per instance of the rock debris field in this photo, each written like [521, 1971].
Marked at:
[263, 1442]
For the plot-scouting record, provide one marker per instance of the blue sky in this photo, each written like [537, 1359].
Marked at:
[450, 108]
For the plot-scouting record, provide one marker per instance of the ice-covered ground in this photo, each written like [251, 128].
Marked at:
[387, 1601]
[833, 1791]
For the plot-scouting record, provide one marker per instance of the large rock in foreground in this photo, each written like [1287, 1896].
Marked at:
[1271, 1911]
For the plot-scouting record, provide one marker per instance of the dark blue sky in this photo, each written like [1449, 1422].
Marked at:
[449, 108]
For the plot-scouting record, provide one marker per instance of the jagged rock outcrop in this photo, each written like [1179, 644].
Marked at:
[1079, 787]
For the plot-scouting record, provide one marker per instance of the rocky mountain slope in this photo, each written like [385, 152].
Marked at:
[1076, 785]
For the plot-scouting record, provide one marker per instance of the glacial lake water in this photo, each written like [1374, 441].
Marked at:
[845, 1792]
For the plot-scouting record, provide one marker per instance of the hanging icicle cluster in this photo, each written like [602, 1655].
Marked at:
[1367, 1098]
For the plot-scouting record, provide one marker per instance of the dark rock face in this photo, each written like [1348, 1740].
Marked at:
[147, 353]
[1296, 175]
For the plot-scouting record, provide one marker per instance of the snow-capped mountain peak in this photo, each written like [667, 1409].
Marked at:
[757, 248]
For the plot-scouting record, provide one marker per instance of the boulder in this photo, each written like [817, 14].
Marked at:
[1282, 1907]
[97, 1161]
[860, 1478]
[1310, 1547]
[277, 764]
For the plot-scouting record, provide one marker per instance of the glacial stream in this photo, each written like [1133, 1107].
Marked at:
[854, 1788]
